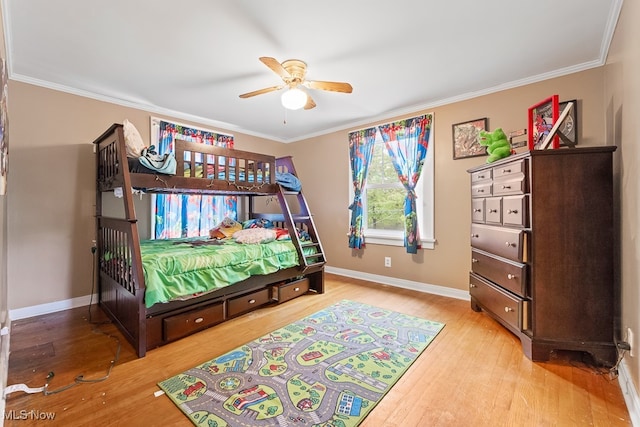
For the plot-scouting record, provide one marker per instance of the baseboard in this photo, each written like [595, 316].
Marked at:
[630, 393]
[52, 307]
[401, 283]
[4, 366]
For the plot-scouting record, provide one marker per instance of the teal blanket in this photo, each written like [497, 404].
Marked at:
[181, 268]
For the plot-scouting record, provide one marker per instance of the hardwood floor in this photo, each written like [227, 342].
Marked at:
[473, 374]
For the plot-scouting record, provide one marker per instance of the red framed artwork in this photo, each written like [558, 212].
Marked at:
[542, 117]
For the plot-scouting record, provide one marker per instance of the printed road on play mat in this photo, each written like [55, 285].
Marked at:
[328, 369]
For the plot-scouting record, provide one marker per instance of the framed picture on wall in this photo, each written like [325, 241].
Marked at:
[466, 139]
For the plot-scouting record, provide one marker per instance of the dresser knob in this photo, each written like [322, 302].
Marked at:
[252, 301]
[506, 170]
[473, 260]
[471, 285]
[481, 176]
[474, 236]
[509, 244]
[477, 210]
[505, 187]
[481, 190]
[508, 309]
[511, 276]
[514, 211]
[493, 210]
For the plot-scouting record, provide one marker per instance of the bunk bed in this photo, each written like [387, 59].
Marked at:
[200, 169]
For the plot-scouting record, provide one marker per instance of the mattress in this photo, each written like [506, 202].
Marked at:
[183, 268]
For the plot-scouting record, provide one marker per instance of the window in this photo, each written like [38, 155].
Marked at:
[187, 215]
[384, 196]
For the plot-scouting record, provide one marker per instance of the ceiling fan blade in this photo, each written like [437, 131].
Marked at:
[310, 103]
[261, 91]
[331, 86]
[275, 66]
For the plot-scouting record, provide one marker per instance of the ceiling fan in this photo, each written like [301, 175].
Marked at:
[293, 72]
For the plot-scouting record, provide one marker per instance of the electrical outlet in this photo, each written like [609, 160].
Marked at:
[387, 261]
[630, 340]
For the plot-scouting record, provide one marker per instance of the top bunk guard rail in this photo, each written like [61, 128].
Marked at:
[200, 168]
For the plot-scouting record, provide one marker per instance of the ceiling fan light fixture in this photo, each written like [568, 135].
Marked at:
[293, 99]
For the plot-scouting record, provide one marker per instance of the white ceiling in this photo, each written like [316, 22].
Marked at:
[192, 58]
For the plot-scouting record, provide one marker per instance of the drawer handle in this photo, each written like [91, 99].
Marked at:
[474, 260]
[511, 276]
[471, 285]
[474, 236]
[514, 211]
[481, 176]
[510, 244]
[506, 187]
[481, 190]
[506, 170]
[252, 301]
[199, 320]
[477, 210]
[296, 289]
[508, 309]
[493, 210]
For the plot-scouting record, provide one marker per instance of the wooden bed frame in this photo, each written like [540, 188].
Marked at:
[121, 285]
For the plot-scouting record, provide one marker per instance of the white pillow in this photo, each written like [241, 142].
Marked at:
[254, 235]
[132, 139]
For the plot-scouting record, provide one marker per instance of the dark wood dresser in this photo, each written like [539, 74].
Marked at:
[542, 249]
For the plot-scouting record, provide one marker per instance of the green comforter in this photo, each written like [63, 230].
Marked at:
[180, 268]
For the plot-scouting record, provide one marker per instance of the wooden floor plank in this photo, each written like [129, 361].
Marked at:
[474, 372]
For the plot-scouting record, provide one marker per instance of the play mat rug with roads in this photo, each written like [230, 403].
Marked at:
[329, 369]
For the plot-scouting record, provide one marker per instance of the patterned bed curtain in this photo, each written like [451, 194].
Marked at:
[361, 144]
[190, 215]
[407, 142]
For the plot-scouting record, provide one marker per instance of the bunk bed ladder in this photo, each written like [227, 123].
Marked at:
[304, 218]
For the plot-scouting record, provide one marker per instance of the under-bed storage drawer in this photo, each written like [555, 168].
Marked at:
[287, 291]
[248, 302]
[181, 325]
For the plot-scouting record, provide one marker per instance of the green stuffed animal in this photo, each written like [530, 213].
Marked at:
[497, 144]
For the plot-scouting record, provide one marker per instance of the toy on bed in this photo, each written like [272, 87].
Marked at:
[497, 144]
[225, 229]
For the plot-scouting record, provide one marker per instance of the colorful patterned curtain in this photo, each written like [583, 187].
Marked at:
[407, 142]
[361, 144]
[190, 215]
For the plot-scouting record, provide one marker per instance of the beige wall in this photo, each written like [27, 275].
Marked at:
[51, 216]
[50, 257]
[622, 103]
[323, 165]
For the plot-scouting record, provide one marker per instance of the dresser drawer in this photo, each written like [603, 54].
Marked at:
[493, 208]
[481, 190]
[248, 302]
[514, 185]
[515, 211]
[512, 310]
[507, 169]
[482, 175]
[505, 242]
[181, 325]
[286, 291]
[477, 210]
[508, 274]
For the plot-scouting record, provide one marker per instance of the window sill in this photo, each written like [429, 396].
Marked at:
[395, 240]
